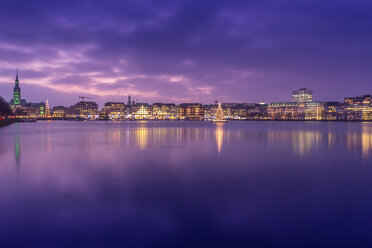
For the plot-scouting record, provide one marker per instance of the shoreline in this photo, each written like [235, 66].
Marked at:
[228, 120]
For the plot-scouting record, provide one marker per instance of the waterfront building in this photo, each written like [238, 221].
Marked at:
[334, 111]
[302, 95]
[164, 111]
[114, 110]
[230, 110]
[358, 108]
[142, 111]
[30, 110]
[311, 111]
[257, 111]
[59, 112]
[210, 111]
[191, 111]
[358, 112]
[85, 109]
[365, 100]
[283, 111]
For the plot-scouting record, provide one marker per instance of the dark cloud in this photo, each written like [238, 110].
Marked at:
[233, 50]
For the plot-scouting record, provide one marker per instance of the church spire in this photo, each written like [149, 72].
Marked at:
[16, 80]
[17, 91]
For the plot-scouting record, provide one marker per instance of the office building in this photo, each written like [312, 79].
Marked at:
[114, 110]
[191, 111]
[163, 111]
[85, 110]
[302, 95]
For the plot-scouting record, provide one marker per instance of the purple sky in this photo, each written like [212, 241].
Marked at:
[183, 51]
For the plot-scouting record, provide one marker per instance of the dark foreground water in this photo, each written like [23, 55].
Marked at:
[186, 184]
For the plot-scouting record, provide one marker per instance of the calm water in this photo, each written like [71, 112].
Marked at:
[186, 184]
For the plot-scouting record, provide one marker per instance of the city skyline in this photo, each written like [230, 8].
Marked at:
[125, 99]
[183, 51]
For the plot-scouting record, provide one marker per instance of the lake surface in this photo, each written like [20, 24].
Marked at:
[186, 184]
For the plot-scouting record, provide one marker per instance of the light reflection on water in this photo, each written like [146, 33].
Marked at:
[260, 184]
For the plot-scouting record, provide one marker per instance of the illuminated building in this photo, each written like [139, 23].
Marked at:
[59, 112]
[358, 108]
[302, 95]
[17, 92]
[114, 110]
[230, 110]
[283, 111]
[86, 110]
[365, 100]
[142, 111]
[210, 111]
[311, 111]
[164, 111]
[191, 111]
[17, 101]
[358, 113]
[257, 111]
[30, 110]
[334, 111]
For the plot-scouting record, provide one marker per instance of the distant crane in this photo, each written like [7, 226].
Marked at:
[85, 97]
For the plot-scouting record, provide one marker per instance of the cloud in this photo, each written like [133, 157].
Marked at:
[242, 51]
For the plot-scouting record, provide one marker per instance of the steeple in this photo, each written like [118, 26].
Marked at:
[17, 91]
[129, 100]
[16, 80]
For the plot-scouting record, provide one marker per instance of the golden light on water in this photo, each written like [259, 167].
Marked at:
[219, 136]
[142, 137]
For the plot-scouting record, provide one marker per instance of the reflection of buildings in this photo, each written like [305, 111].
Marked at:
[17, 151]
[219, 136]
[142, 137]
[366, 140]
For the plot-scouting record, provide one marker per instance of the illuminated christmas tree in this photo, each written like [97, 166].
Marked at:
[219, 113]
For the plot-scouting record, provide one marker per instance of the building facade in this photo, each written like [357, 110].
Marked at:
[142, 111]
[302, 95]
[114, 110]
[85, 110]
[358, 108]
[283, 111]
[163, 111]
[59, 112]
[190, 111]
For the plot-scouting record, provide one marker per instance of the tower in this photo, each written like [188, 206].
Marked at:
[17, 91]
[129, 101]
